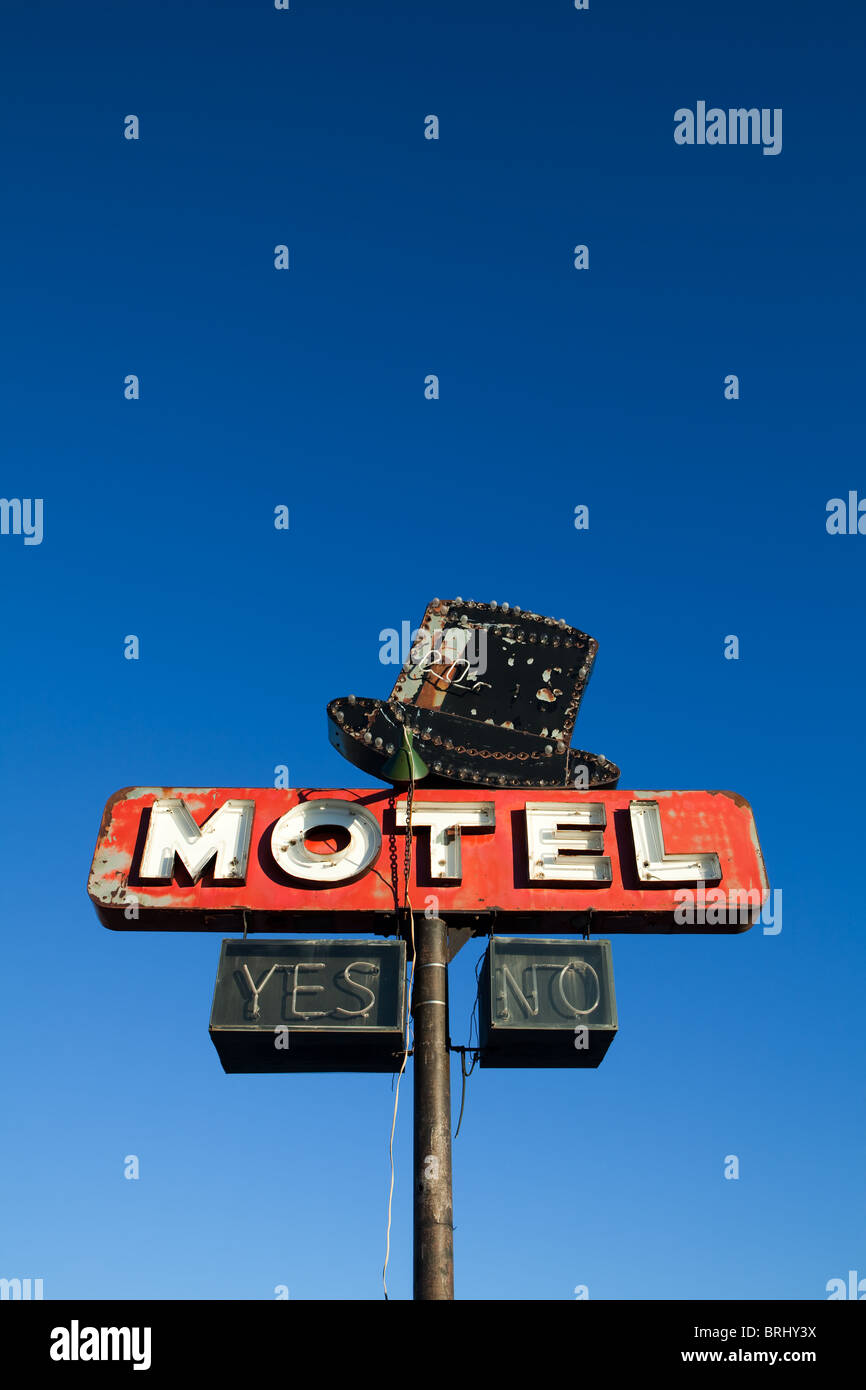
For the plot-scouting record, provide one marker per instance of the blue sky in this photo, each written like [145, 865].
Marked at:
[558, 387]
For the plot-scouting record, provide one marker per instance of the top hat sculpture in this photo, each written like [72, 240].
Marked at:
[489, 697]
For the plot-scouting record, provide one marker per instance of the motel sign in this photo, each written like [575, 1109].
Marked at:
[494, 824]
[266, 859]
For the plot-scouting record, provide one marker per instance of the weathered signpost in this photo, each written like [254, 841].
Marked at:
[500, 826]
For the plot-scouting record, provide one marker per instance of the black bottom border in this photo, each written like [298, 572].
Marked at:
[248, 1340]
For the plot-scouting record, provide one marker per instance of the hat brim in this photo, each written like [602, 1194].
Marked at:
[460, 752]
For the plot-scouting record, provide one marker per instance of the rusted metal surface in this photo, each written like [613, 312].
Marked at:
[495, 887]
[490, 694]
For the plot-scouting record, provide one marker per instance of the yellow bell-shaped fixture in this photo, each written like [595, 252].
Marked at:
[405, 765]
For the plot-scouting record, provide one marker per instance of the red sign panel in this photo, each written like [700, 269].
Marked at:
[271, 860]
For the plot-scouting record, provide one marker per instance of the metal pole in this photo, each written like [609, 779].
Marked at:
[434, 1214]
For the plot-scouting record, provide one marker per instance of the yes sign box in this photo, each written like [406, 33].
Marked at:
[301, 1006]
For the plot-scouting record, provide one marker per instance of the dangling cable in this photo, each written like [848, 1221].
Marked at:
[473, 1017]
[407, 869]
[474, 1050]
[464, 1073]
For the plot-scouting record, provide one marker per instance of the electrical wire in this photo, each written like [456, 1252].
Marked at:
[463, 1075]
[407, 863]
[473, 1017]
[473, 1020]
